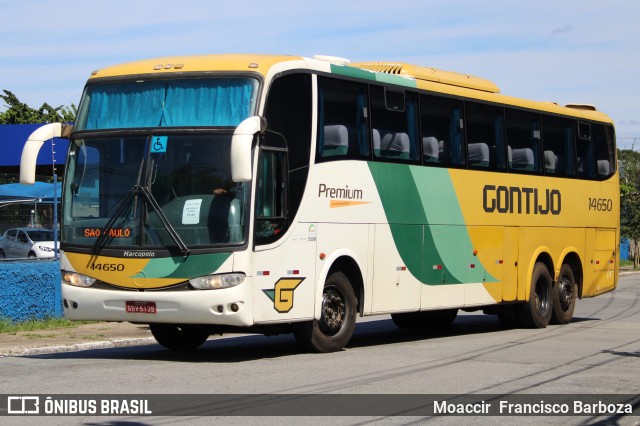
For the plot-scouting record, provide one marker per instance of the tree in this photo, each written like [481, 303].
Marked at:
[20, 113]
[630, 200]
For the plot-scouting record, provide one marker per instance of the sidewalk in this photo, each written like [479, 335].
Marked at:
[99, 335]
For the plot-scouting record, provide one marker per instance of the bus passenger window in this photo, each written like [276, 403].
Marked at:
[523, 141]
[485, 136]
[604, 144]
[342, 120]
[393, 124]
[442, 131]
[558, 140]
[586, 158]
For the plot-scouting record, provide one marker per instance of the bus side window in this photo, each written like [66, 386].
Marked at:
[288, 112]
[441, 123]
[342, 120]
[485, 136]
[604, 144]
[393, 124]
[558, 140]
[271, 197]
[523, 141]
[586, 158]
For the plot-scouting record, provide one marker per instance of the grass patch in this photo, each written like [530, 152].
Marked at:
[39, 336]
[626, 262]
[10, 327]
[97, 336]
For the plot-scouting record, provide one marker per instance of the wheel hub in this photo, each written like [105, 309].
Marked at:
[333, 312]
[565, 290]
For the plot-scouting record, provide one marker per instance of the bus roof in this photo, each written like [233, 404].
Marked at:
[198, 63]
[397, 73]
[430, 74]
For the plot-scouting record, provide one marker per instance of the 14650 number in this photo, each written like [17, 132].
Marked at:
[107, 267]
[601, 204]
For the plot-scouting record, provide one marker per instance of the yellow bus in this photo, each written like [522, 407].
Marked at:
[275, 194]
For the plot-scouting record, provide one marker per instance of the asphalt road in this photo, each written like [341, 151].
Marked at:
[598, 353]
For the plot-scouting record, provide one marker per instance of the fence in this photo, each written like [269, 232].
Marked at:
[30, 290]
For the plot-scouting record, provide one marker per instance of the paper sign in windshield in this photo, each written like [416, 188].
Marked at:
[191, 212]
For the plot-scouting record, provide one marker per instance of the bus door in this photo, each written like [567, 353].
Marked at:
[394, 287]
[283, 262]
[605, 259]
[510, 262]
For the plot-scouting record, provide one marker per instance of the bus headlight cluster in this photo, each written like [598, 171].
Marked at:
[212, 282]
[77, 279]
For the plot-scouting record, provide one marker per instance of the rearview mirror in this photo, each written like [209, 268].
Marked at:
[241, 147]
[33, 145]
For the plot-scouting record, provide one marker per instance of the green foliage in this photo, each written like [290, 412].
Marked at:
[630, 198]
[9, 327]
[20, 113]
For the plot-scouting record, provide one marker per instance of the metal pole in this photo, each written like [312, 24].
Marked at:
[55, 215]
[55, 197]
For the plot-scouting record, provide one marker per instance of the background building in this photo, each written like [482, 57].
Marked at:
[28, 205]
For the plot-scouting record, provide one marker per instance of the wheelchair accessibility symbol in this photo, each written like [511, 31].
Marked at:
[159, 144]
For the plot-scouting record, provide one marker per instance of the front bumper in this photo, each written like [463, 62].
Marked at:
[231, 306]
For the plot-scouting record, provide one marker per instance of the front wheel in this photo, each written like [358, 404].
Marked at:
[179, 337]
[564, 295]
[536, 312]
[337, 318]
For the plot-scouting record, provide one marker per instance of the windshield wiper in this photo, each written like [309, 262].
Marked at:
[144, 191]
[124, 205]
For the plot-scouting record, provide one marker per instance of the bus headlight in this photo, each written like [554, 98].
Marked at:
[212, 282]
[79, 280]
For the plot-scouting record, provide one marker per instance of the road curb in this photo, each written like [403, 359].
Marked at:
[44, 350]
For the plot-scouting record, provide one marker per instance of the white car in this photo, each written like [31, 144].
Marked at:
[32, 243]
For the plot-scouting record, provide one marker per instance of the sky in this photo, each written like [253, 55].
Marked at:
[564, 51]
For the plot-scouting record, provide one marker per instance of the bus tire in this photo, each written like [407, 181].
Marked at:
[565, 295]
[425, 320]
[536, 312]
[337, 318]
[179, 337]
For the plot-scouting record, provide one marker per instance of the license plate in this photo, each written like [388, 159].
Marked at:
[141, 307]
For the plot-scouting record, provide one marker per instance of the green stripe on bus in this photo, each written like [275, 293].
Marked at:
[373, 76]
[352, 72]
[425, 218]
[184, 267]
[396, 79]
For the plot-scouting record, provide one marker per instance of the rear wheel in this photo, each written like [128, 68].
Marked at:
[179, 337]
[425, 320]
[2, 255]
[337, 318]
[536, 312]
[564, 296]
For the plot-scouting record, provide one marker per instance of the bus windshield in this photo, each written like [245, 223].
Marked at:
[195, 102]
[135, 191]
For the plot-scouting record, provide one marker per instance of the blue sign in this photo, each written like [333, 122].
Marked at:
[159, 144]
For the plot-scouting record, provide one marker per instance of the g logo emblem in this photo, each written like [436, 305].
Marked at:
[282, 294]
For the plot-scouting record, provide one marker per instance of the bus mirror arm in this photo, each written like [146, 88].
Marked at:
[241, 143]
[34, 143]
